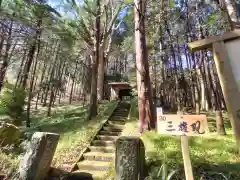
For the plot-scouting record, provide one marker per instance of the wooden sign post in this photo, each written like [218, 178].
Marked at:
[226, 55]
[186, 158]
[184, 126]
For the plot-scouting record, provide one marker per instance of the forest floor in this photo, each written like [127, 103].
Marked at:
[68, 121]
[212, 156]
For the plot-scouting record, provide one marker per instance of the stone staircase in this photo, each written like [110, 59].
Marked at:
[97, 161]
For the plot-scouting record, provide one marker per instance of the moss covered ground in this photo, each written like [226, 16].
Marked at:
[68, 121]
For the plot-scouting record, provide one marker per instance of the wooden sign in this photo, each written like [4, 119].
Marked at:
[184, 126]
[188, 125]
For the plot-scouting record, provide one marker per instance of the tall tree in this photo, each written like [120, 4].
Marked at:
[95, 60]
[145, 102]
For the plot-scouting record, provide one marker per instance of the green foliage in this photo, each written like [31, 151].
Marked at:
[163, 173]
[212, 18]
[172, 4]
[12, 101]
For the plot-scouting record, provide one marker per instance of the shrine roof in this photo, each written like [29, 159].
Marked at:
[119, 84]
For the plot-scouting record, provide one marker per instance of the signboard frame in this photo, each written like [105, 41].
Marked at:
[228, 81]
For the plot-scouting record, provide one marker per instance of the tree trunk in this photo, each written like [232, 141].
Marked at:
[217, 102]
[19, 76]
[3, 68]
[100, 82]
[229, 5]
[147, 112]
[50, 102]
[73, 81]
[52, 70]
[28, 122]
[95, 60]
[196, 87]
[179, 108]
[31, 54]
[220, 123]
[40, 83]
[93, 95]
[207, 83]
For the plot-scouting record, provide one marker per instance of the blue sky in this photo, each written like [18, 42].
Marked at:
[57, 4]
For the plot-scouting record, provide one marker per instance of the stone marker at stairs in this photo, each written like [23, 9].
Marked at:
[35, 165]
[129, 159]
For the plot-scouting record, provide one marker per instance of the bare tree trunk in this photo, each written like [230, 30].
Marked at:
[52, 70]
[73, 81]
[179, 108]
[50, 102]
[147, 112]
[19, 76]
[46, 86]
[217, 101]
[196, 87]
[100, 82]
[4, 65]
[40, 83]
[229, 5]
[31, 54]
[28, 122]
[95, 60]
[62, 79]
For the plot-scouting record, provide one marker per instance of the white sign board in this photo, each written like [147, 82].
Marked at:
[159, 111]
[188, 125]
[233, 54]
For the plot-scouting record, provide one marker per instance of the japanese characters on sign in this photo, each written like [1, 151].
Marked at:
[190, 125]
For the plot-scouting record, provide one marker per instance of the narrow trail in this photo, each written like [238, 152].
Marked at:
[97, 161]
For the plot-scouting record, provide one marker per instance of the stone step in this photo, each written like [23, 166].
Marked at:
[103, 132]
[120, 113]
[117, 122]
[118, 117]
[121, 119]
[98, 156]
[115, 126]
[94, 165]
[111, 129]
[121, 109]
[88, 175]
[103, 149]
[103, 143]
[107, 137]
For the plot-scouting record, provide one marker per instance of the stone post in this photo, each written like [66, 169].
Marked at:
[36, 163]
[129, 159]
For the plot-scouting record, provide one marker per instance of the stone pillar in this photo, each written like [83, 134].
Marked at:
[36, 163]
[129, 159]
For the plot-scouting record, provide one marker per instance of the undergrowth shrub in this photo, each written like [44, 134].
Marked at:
[12, 101]
[162, 171]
